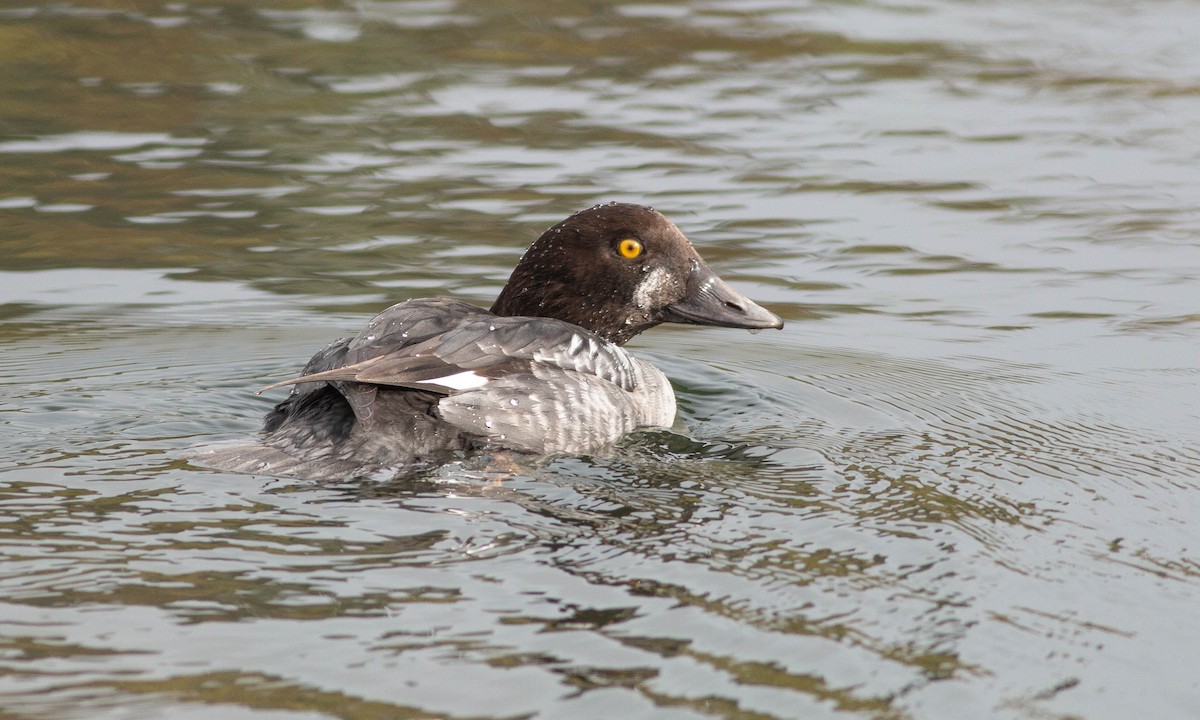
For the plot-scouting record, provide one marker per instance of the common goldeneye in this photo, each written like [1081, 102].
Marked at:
[543, 371]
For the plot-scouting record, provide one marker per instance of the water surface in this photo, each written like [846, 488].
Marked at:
[962, 482]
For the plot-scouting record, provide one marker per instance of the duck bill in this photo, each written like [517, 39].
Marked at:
[710, 301]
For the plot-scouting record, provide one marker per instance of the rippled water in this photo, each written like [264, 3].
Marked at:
[961, 483]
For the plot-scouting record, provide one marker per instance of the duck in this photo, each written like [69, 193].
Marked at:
[543, 371]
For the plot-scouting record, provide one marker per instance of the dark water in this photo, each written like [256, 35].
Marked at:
[962, 483]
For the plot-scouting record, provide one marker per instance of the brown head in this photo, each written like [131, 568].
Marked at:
[618, 269]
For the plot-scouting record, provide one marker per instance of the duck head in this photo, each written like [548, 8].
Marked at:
[619, 269]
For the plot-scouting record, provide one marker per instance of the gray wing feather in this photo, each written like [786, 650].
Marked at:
[495, 346]
[390, 332]
[406, 324]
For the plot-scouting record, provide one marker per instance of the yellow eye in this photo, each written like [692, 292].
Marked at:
[630, 248]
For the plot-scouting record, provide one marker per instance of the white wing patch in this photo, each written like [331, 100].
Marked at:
[468, 380]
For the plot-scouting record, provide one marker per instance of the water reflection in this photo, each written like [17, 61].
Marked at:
[956, 486]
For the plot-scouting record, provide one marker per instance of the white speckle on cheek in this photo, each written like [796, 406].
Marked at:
[650, 287]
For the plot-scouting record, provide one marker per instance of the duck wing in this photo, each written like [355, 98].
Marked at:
[534, 384]
[460, 378]
[478, 350]
[390, 332]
